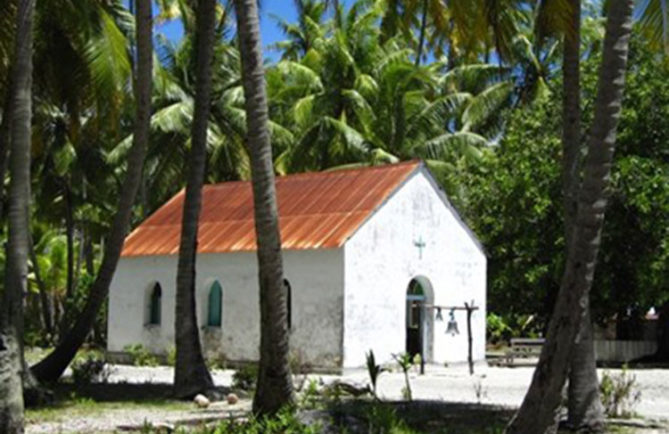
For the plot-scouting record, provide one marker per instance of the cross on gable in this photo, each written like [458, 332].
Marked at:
[421, 245]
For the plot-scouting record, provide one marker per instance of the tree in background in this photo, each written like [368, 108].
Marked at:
[274, 388]
[53, 366]
[191, 375]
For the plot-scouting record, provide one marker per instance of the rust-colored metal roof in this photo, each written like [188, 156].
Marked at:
[316, 211]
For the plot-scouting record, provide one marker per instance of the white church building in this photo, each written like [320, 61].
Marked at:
[374, 259]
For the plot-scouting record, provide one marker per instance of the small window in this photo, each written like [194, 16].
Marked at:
[289, 303]
[215, 305]
[155, 304]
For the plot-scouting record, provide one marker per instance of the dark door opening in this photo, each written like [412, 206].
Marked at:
[415, 323]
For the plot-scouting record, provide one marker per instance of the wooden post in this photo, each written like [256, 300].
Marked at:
[470, 360]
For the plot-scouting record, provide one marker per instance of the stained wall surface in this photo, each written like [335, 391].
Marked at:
[381, 259]
[316, 279]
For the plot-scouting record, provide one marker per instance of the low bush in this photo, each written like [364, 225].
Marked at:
[140, 355]
[619, 393]
[245, 377]
[284, 422]
[91, 368]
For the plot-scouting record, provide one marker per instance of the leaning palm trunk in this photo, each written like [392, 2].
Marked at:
[584, 405]
[16, 271]
[191, 375]
[52, 367]
[538, 411]
[275, 387]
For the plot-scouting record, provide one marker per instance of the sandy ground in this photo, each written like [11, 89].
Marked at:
[489, 385]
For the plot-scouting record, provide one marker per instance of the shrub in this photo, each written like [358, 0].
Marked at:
[382, 419]
[140, 355]
[310, 397]
[217, 361]
[283, 422]
[405, 362]
[373, 370]
[171, 357]
[245, 377]
[90, 369]
[619, 393]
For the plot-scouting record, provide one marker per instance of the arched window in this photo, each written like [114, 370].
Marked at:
[289, 303]
[155, 304]
[215, 305]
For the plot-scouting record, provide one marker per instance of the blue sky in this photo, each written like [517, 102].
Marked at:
[270, 31]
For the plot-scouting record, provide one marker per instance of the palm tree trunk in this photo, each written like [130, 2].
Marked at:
[421, 37]
[5, 136]
[69, 236]
[191, 375]
[584, 405]
[538, 411]
[16, 271]
[52, 367]
[275, 387]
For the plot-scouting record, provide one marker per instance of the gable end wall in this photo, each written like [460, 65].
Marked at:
[381, 259]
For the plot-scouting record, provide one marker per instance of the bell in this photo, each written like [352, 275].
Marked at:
[439, 316]
[452, 326]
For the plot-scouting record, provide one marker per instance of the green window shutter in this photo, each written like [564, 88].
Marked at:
[215, 305]
[154, 312]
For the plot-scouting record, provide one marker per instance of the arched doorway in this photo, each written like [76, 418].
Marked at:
[419, 321]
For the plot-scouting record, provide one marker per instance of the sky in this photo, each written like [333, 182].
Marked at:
[270, 32]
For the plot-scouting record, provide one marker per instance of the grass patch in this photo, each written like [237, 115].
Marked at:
[73, 402]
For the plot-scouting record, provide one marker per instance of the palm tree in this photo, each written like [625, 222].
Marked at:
[11, 320]
[537, 413]
[52, 367]
[303, 34]
[274, 387]
[584, 405]
[191, 375]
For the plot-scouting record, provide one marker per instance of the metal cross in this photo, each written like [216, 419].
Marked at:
[421, 245]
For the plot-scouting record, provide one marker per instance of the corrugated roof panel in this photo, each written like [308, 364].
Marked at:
[316, 210]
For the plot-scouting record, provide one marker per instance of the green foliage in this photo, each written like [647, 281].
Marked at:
[140, 355]
[619, 393]
[513, 202]
[383, 419]
[245, 377]
[373, 370]
[171, 358]
[90, 368]
[310, 397]
[285, 421]
[501, 328]
[405, 362]
[217, 361]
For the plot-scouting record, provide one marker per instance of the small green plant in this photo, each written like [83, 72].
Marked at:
[245, 377]
[285, 421]
[383, 419]
[91, 368]
[217, 361]
[405, 362]
[140, 355]
[171, 357]
[619, 393]
[310, 397]
[373, 370]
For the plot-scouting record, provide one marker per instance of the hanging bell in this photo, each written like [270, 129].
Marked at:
[452, 326]
[439, 316]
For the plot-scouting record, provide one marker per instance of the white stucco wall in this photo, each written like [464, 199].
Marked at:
[316, 278]
[381, 259]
